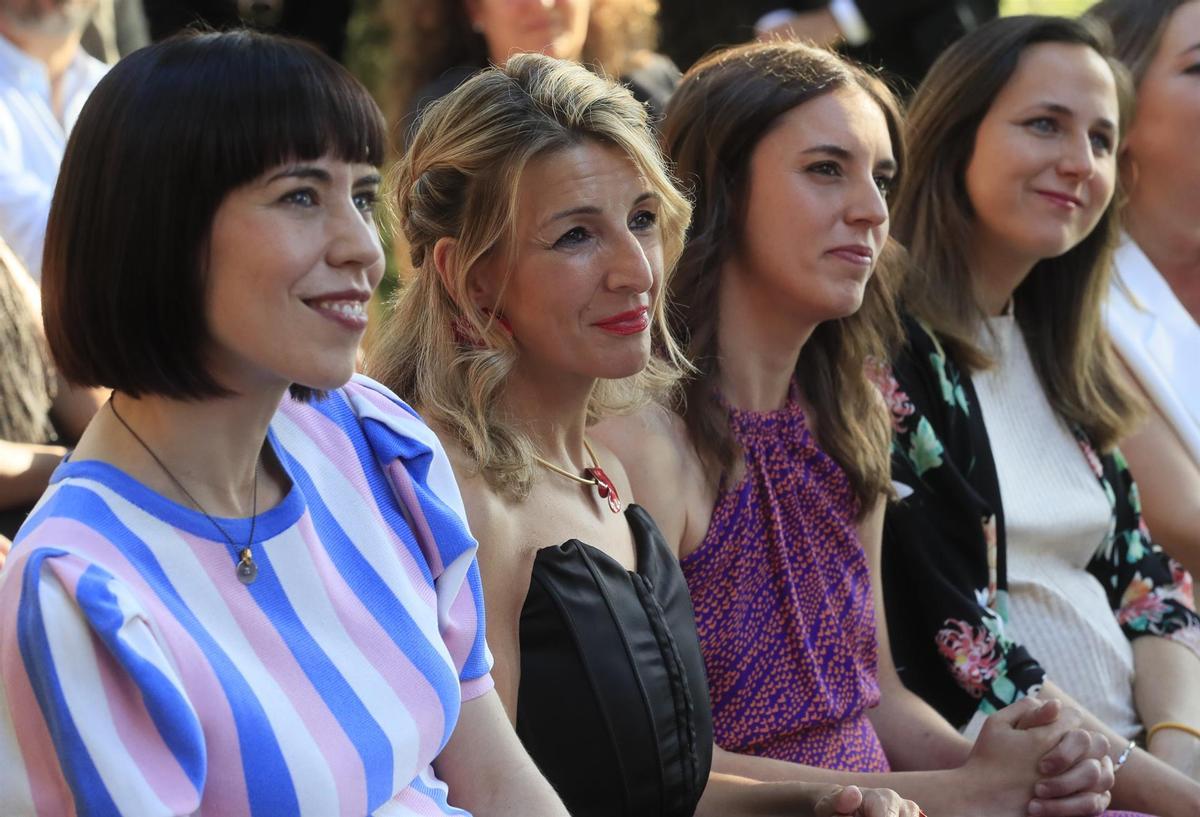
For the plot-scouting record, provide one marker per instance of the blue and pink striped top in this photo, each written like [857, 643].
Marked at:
[138, 676]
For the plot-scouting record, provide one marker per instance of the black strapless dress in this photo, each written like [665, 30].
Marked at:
[613, 704]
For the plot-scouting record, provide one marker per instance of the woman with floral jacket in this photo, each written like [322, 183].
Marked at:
[1015, 561]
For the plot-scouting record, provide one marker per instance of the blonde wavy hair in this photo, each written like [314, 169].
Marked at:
[460, 179]
[433, 36]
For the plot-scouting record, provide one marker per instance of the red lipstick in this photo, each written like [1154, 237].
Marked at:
[626, 323]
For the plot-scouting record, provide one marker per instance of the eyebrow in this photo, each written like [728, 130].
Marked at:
[1055, 107]
[317, 174]
[592, 211]
[301, 172]
[840, 152]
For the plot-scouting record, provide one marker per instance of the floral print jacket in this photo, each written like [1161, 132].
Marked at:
[944, 566]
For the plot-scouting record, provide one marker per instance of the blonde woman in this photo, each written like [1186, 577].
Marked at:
[543, 226]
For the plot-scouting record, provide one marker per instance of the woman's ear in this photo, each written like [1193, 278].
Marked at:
[1128, 168]
[445, 251]
[480, 284]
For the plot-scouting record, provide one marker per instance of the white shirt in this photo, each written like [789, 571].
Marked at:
[1159, 341]
[32, 141]
[1056, 516]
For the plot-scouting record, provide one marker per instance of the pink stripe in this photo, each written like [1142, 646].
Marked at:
[276, 657]
[460, 631]
[402, 482]
[393, 664]
[132, 722]
[332, 442]
[51, 794]
[418, 803]
[225, 783]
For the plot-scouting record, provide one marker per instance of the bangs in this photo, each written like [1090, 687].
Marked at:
[265, 101]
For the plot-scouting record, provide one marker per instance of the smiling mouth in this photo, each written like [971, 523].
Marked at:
[351, 314]
[632, 322]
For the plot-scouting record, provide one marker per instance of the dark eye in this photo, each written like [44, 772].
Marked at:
[1192, 69]
[573, 236]
[1043, 125]
[306, 197]
[825, 169]
[884, 183]
[1101, 143]
[366, 200]
[643, 220]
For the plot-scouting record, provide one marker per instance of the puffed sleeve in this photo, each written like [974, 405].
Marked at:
[1149, 592]
[93, 715]
[944, 580]
[423, 481]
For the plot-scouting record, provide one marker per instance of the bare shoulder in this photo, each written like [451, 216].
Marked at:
[664, 471]
[653, 441]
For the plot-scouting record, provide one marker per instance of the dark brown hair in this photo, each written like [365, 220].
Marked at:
[723, 107]
[167, 133]
[1058, 305]
[1137, 28]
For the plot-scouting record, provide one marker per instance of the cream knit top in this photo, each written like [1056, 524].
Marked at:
[1056, 516]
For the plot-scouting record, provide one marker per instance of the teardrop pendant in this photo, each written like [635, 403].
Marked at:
[247, 570]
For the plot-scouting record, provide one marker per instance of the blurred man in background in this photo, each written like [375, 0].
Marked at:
[45, 77]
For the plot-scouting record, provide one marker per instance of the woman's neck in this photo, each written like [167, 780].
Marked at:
[1173, 247]
[758, 344]
[552, 412]
[213, 448]
[996, 273]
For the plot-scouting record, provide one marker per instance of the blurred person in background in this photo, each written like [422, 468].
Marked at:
[1154, 301]
[439, 43]
[39, 411]
[320, 22]
[117, 28]
[903, 38]
[45, 77]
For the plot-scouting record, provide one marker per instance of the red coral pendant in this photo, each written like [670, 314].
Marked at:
[605, 487]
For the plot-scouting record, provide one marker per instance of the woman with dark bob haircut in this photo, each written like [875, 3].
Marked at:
[1016, 562]
[232, 600]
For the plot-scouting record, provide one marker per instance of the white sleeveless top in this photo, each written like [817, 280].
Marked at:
[1056, 516]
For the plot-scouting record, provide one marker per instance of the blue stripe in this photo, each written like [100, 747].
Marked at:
[269, 784]
[339, 411]
[369, 739]
[90, 793]
[375, 595]
[476, 665]
[170, 711]
[436, 795]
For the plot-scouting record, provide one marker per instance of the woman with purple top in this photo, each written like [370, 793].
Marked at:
[769, 483]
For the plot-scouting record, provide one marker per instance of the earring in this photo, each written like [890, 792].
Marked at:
[500, 319]
[464, 332]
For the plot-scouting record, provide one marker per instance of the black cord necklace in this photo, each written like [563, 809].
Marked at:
[247, 570]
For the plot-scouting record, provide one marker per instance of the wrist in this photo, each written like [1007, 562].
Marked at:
[1178, 748]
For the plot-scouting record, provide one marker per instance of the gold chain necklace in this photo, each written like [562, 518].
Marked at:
[247, 570]
[593, 476]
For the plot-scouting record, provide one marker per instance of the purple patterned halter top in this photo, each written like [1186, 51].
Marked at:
[783, 604]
